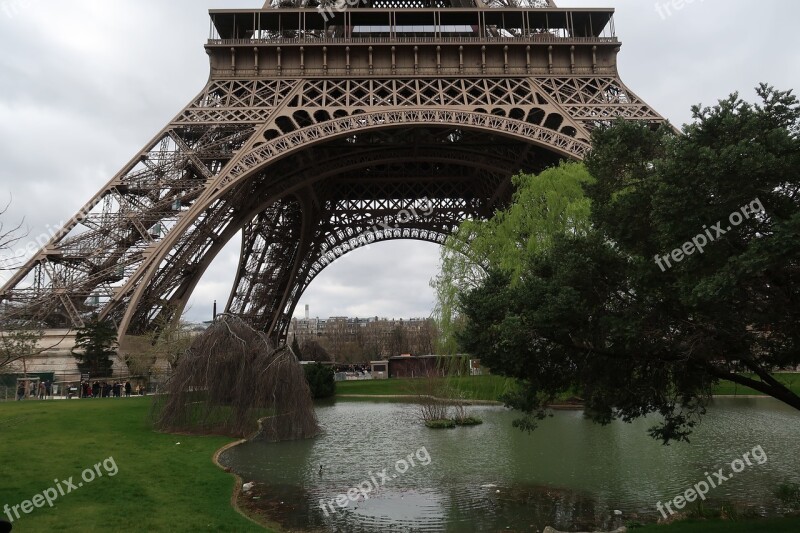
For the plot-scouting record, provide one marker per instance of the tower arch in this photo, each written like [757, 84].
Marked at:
[312, 129]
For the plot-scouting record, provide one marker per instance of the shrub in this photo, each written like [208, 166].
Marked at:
[789, 494]
[321, 380]
[440, 424]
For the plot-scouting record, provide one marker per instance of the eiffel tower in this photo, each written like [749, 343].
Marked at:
[321, 129]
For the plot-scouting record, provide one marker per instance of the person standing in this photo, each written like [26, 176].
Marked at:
[128, 389]
[21, 391]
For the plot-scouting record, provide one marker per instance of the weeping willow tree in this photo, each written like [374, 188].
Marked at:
[233, 381]
[543, 206]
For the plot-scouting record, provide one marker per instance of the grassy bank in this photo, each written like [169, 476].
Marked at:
[491, 387]
[473, 387]
[160, 485]
[792, 381]
[778, 525]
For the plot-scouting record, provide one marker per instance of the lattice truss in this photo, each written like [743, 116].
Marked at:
[597, 100]
[283, 161]
[105, 243]
[515, 98]
[349, 214]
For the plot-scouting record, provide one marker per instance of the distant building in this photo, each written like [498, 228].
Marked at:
[409, 366]
[375, 337]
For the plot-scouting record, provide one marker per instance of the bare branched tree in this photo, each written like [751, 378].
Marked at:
[17, 343]
[336, 338]
[166, 343]
[9, 237]
[19, 339]
[438, 402]
[314, 351]
[431, 394]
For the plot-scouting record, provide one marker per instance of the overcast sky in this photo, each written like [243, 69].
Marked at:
[84, 84]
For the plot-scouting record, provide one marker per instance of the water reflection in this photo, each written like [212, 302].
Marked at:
[569, 473]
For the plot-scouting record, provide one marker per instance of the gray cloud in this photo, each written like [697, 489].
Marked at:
[87, 83]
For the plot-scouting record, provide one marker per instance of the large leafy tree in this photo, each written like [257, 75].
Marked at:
[95, 343]
[689, 274]
[543, 206]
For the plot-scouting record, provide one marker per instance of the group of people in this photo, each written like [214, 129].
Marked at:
[44, 390]
[107, 390]
[358, 369]
[27, 388]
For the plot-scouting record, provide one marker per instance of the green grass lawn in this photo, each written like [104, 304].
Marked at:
[159, 486]
[473, 387]
[792, 381]
[491, 387]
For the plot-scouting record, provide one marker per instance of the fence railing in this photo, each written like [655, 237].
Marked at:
[414, 40]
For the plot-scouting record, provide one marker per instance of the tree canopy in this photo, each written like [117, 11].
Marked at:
[321, 380]
[688, 273]
[544, 206]
[95, 343]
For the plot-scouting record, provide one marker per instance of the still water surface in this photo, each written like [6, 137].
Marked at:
[569, 473]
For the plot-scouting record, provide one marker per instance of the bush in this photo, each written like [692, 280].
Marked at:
[321, 380]
[468, 421]
[789, 494]
[440, 424]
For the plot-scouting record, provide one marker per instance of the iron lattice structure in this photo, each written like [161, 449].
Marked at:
[321, 130]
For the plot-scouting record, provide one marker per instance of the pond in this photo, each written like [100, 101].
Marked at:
[569, 473]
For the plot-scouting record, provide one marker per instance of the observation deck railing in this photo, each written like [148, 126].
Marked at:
[544, 39]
